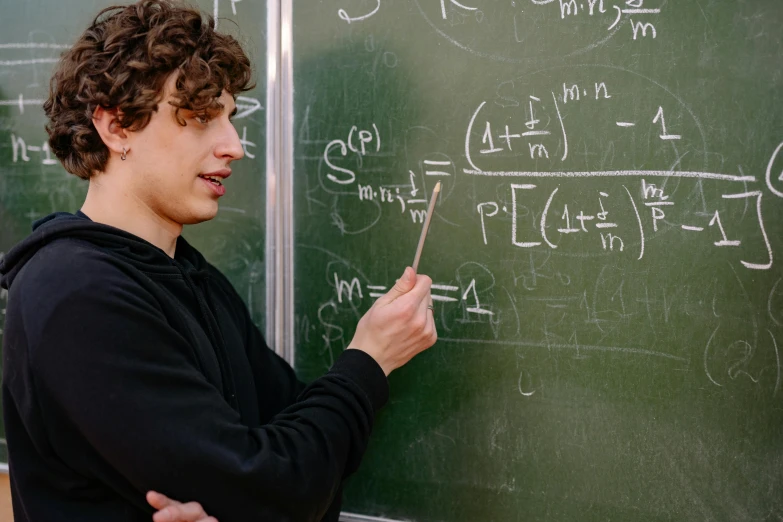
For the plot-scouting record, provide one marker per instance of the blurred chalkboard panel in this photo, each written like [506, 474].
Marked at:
[606, 250]
[32, 183]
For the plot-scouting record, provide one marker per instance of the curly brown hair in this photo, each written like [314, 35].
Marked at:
[122, 62]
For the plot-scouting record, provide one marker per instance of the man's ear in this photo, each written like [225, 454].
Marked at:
[113, 136]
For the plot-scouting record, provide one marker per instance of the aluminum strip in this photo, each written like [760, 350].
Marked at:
[353, 517]
[273, 233]
[286, 183]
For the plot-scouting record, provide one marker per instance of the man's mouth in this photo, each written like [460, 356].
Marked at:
[212, 179]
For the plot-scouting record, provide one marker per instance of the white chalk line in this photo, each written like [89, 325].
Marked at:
[444, 299]
[33, 45]
[32, 61]
[354, 517]
[529, 344]
[608, 173]
[23, 102]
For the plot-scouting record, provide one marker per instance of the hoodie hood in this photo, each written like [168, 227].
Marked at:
[132, 249]
[186, 276]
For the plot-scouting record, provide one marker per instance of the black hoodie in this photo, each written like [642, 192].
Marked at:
[126, 371]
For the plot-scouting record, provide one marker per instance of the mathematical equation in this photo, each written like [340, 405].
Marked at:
[349, 290]
[569, 314]
[538, 125]
[360, 143]
[520, 128]
[530, 29]
[651, 208]
[20, 151]
[454, 11]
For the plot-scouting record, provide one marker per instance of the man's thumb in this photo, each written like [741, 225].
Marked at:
[403, 285]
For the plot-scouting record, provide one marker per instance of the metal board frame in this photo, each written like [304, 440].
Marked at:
[279, 180]
[280, 191]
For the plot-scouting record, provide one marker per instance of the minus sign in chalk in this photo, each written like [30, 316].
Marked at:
[444, 298]
[433, 162]
[425, 228]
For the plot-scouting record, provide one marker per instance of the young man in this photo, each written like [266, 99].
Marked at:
[130, 364]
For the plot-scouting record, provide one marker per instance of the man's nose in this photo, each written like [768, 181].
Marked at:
[230, 146]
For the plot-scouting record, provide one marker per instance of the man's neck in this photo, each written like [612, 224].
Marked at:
[107, 204]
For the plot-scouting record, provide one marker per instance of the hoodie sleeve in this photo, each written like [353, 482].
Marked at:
[278, 378]
[266, 362]
[104, 359]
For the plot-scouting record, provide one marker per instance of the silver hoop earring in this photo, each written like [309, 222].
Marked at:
[124, 154]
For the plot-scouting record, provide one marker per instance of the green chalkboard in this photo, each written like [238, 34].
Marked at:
[606, 249]
[32, 183]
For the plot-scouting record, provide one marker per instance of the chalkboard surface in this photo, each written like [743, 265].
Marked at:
[33, 33]
[606, 251]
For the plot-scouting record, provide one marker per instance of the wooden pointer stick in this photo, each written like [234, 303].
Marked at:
[426, 226]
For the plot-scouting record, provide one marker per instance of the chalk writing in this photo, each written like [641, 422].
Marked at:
[598, 218]
[20, 151]
[534, 26]
[21, 102]
[351, 291]
[344, 15]
[494, 142]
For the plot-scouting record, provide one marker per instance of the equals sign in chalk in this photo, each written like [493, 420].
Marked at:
[379, 290]
[437, 164]
[445, 288]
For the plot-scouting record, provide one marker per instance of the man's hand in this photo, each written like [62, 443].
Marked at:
[400, 324]
[173, 511]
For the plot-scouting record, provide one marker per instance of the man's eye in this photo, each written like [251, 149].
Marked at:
[202, 119]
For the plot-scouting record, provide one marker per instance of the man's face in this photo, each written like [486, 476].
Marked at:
[170, 161]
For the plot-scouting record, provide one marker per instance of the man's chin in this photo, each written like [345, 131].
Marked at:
[200, 215]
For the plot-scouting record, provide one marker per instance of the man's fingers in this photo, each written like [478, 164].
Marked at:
[423, 313]
[432, 328]
[421, 290]
[403, 285]
[190, 512]
[158, 500]
[417, 299]
[172, 511]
